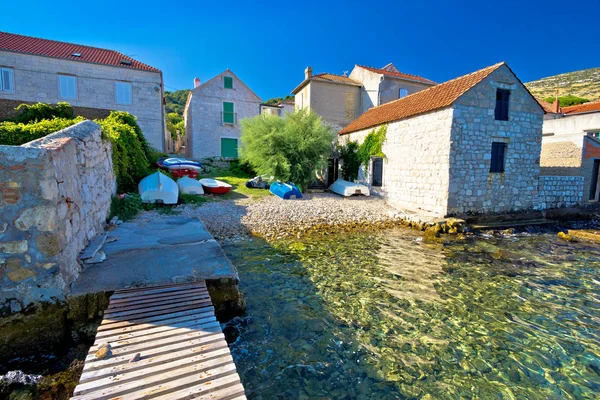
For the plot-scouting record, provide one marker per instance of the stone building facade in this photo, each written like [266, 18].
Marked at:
[93, 80]
[212, 115]
[340, 99]
[55, 195]
[440, 144]
[571, 146]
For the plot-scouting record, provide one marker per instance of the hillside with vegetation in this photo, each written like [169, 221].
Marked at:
[276, 100]
[584, 84]
[175, 101]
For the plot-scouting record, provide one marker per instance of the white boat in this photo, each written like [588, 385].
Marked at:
[158, 188]
[214, 186]
[346, 188]
[179, 163]
[189, 186]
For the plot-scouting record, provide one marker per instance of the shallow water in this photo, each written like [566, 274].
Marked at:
[385, 316]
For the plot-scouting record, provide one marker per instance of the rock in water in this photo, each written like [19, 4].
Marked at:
[103, 353]
[21, 378]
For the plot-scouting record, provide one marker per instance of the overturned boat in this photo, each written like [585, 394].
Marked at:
[286, 191]
[346, 188]
[189, 186]
[174, 164]
[158, 188]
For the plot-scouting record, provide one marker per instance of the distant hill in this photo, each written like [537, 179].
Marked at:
[176, 101]
[584, 83]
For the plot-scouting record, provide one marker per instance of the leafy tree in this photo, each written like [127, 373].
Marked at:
[565, 101]
[276, 100]
[175, 123]
[350, 161]
[291, 148]
[175, 101]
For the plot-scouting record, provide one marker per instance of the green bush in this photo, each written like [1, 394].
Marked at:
[243, 169]
[291, 148]
[16, 134]
[127, 207]
[350, 161]
[40, 111]
[175, 123]
[372, 145]
[569, 100]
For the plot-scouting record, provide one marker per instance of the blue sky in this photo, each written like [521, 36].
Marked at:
[268, 43]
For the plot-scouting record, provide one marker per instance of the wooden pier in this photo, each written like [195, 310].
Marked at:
[165, 343]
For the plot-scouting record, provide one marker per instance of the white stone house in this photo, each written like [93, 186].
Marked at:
[93, 80]
[212, 115]
[339, 99]
[469, 145]
[571, 146]
[279, 109]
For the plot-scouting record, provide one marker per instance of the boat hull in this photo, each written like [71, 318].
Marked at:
[189, 186]
[179, 163]
[287, 191]
[158, 188]
[214, 186]
[346, 188]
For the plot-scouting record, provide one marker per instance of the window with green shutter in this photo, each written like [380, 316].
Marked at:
[228, 82]
[229, 148]
[228, 113]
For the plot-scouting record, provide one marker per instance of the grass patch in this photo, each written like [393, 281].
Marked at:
[237, 180]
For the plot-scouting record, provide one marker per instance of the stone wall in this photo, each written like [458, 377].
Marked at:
[55, 195]
[36, 80]
[560, 191]
[473, 189]
[338, 104]
[204, 118]
[415, 171]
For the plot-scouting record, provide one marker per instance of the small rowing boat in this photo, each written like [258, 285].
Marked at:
[214, 186]
[158, 188]
[346, 188]
[286, 191]
[189, 186]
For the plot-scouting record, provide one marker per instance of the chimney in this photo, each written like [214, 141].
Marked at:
[308, 72]
[556, 104]
[196, 82]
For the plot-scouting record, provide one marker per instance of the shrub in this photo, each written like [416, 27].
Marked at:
[16, 134]
[372, 145]
[127, 207]
[350, 161]
[569, 100]
[241, 168]
[40, 111]
[291, 148]
[130, 161]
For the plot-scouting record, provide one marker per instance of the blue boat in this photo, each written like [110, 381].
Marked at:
[286, 191]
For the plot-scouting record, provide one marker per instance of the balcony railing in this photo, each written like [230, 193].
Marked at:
[228, 118]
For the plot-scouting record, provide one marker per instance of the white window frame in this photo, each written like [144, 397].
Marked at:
[123, 84]
[60, 94]
[11, 79]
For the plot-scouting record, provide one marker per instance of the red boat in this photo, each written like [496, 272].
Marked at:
[179, 173]
[214, 186]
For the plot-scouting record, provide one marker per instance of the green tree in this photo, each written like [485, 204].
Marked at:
[291, 148]
[175, 123]
[569, 100]
[175, 101]
[350, 161]
[275, 100]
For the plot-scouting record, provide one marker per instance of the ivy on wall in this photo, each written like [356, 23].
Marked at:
[353, 155]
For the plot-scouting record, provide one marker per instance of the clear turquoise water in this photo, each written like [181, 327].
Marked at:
[384, 316]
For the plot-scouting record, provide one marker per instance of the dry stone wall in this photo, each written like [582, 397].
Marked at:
[55, 195]
[560, 191]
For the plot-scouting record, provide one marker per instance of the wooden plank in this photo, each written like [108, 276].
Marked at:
[161, 289]
[109, 325]
[153, 309]
[95, 245]
[147, 300]
[227, 387]
[166, 285]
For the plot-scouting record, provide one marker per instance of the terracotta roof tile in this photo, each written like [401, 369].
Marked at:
[398, 74]
[62, 50]
[430, 99]
[548, 107]
[582, 108]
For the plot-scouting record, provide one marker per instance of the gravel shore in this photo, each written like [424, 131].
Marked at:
[273, 218]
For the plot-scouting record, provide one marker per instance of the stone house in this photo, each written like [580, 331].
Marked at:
[469, 145]
[91, 79]
[339, 99]
[212, 115]
[279, 109]
[571, 146]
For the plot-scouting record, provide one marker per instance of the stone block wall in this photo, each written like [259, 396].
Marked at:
[560, 191]
[55, 195]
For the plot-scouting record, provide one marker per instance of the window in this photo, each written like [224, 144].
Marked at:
[402, 93]
[123, 92]
[228, 82]
[594, 133]
[6, 80]
[377, 172]
[228, 113]
[502, 96]
[67, 86]
[229, 148]
[497, 162]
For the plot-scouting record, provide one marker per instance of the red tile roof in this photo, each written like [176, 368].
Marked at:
[430, 99]
[62, 50]
[401, 75]
[582, 108]
[548, 107]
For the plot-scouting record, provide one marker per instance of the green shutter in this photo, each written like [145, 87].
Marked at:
[228, 82]
[228, 113]
[229, 148]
